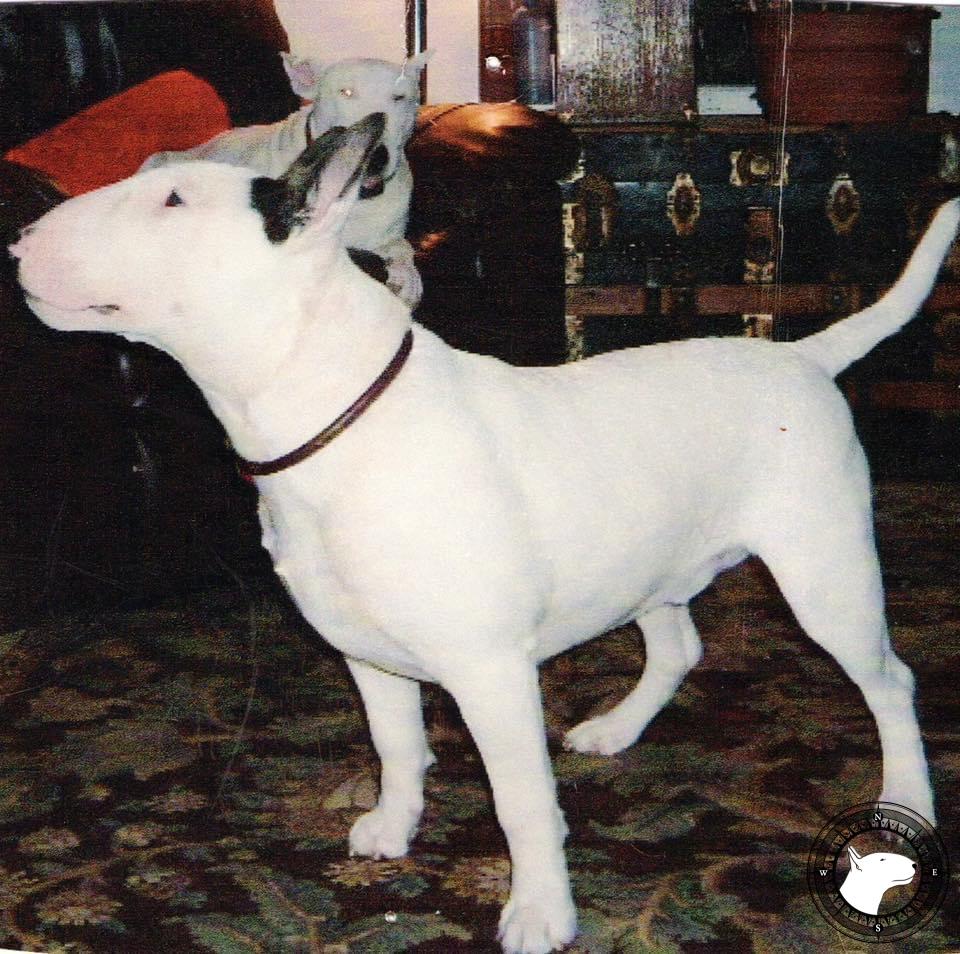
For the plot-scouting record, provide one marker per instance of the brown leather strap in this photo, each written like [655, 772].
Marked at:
[249, 468]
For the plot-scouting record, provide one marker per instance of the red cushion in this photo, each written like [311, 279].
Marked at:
[110, 140]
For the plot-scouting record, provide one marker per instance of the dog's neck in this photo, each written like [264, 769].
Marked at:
[351, 328]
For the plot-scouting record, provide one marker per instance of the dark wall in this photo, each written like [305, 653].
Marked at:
[116, 482]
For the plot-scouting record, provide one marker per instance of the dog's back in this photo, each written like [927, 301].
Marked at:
[268, 148]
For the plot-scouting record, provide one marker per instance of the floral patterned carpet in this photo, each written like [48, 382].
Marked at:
[182, 779]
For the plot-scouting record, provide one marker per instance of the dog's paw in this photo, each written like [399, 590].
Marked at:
[404, 281]
[537, 927]
[604, 735]
[381, 834]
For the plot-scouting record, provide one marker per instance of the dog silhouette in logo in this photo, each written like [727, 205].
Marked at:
[872, 875]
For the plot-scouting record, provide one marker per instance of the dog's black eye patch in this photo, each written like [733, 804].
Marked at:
[173, 199]
[272, 199]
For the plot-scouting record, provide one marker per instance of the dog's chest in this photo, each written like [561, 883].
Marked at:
[302, 561]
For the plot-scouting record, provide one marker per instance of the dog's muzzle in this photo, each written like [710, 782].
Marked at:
[373, 182]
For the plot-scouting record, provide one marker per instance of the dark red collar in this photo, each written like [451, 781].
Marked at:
[249, 468]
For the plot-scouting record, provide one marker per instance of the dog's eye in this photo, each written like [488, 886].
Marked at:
[399, 97]
[173, 199]
[346, 91]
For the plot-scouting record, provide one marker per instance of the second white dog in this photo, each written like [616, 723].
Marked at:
[463, 520]
[342, 93]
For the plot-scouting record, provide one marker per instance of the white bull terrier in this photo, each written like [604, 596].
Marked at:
[463, 520]
[341, 94]
[871, 876]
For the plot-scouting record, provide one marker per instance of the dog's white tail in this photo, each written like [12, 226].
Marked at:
[844, 342]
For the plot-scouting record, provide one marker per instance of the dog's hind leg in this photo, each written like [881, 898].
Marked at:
[673, 649]
[395, 717]
[826, 565]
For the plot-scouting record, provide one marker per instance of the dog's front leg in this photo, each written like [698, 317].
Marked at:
[500, 703]
[403, 278]
[395, 718]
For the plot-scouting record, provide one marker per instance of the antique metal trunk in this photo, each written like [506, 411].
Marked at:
[731, 226]
[704, 221]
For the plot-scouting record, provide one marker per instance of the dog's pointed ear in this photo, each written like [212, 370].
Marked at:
[319, 189]
[303, 73]
[419, 61]
[854, 858]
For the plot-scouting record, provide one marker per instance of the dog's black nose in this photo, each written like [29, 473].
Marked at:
[378, 160]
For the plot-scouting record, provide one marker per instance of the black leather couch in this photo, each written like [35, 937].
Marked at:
[116, 484]
[57, 58]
